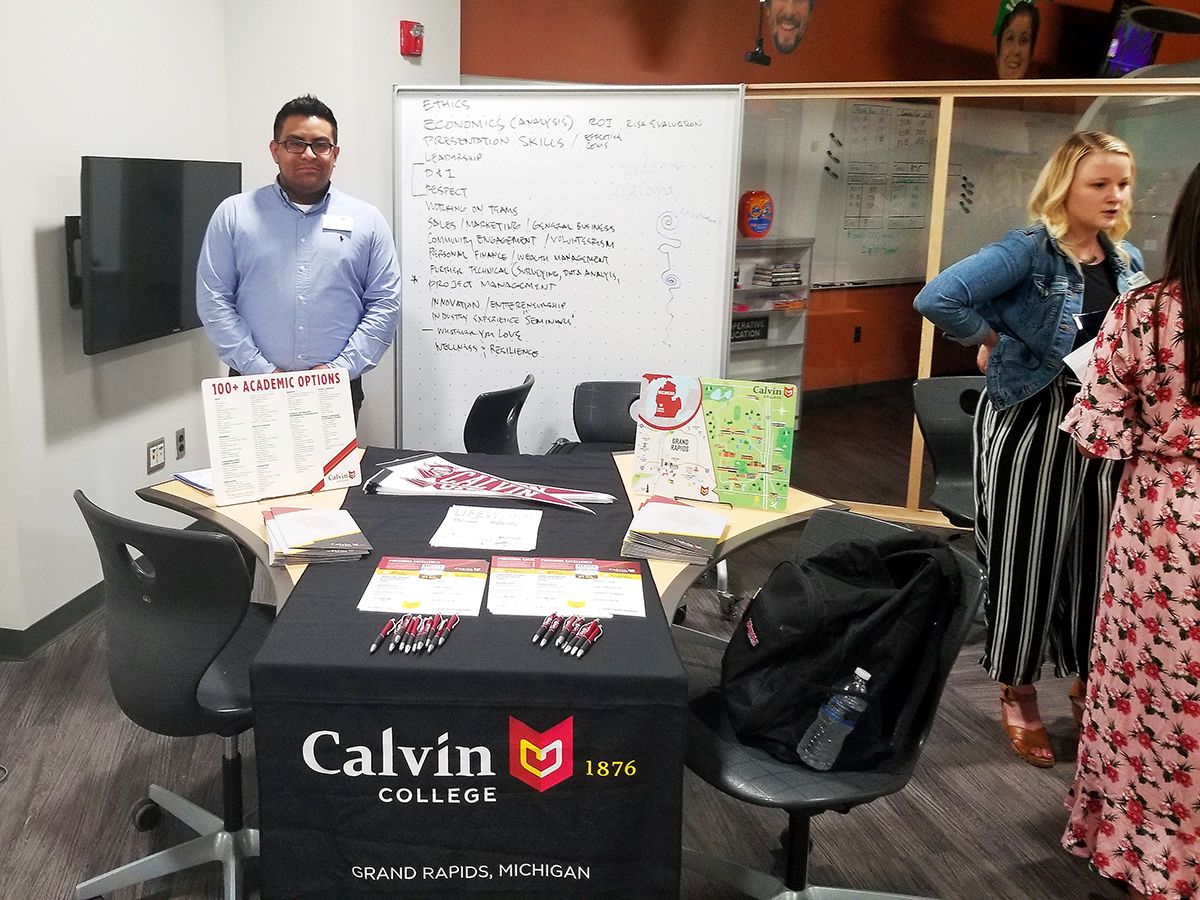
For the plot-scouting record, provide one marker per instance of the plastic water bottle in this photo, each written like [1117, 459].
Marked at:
[823, 740]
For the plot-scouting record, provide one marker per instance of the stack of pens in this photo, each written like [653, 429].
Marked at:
[415, 634]
[573, 635]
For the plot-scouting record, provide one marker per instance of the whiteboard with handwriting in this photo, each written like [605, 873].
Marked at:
[872, 223]
[573, 233]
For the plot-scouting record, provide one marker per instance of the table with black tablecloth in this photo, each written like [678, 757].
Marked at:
[391, 774]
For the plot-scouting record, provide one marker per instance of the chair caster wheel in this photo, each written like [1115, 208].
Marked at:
[146, 815]
[728, 603]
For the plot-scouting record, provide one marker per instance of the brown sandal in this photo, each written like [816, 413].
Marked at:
[1025, 741]
[1077, 695]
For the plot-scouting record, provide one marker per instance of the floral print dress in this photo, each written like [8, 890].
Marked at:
[1135, 803]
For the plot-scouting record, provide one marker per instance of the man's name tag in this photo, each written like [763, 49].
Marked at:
[1138, 279]
[337, 223]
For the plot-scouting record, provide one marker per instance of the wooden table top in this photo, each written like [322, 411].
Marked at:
[244, 522]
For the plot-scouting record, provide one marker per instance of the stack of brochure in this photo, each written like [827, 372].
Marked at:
[667, 529]
[200, 479]
[300, 535]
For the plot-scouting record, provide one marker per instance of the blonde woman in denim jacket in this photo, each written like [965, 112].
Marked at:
[1041, 508]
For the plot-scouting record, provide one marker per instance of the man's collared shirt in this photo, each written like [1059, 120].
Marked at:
[277, 287]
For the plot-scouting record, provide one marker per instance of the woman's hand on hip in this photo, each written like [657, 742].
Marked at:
[985, 351]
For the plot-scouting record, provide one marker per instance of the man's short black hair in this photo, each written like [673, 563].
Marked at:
[306, 106]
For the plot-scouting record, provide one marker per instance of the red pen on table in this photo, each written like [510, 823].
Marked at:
[448, 625]
[410, 637]
[422, 634]
[568, 628]
[556, 625]
[434, 624]
[570, 636]
[398, 631]
[592, 634]
[541, 631]
[383, 633]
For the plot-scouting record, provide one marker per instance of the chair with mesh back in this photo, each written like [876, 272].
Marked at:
[751, 774]
[181, 632]
[492, 422]
[945, 409]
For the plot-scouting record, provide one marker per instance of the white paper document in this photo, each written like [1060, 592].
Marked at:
[484, 528]
[539, 585]
[452, 587]
[200, 479]
[1077, 360]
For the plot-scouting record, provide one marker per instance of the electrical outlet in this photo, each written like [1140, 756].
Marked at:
[180, 444]
[156, 455]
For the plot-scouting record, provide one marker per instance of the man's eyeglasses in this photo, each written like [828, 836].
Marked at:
[297, 146]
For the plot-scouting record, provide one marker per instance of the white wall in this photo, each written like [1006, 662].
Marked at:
[351, 62]
[191, 79]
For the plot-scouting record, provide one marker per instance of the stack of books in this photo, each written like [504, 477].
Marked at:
[664, 528]
[778, 275]
[313, 536]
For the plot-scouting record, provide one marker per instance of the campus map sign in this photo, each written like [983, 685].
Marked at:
[715, 439]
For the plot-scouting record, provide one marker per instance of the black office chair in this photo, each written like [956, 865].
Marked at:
[603, 420]
[601, 411]
[753, 775]
[945, 410]
[181, 633]
[492, 422]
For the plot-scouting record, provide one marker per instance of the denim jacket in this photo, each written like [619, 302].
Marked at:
[1027, 290]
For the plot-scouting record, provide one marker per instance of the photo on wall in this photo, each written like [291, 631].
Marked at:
[1016, 36]
[787, 21]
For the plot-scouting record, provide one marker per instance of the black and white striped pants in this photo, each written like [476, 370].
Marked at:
[1041, 525]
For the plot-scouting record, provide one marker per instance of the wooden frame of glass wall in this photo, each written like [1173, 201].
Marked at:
[945, 94]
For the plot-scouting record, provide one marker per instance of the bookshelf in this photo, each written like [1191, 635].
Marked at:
[769, 307]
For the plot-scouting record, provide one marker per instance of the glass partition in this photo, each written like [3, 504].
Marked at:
[884, 185]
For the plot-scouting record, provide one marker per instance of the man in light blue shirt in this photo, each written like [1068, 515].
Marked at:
[298, 275]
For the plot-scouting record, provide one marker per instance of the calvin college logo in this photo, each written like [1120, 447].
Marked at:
[541, 759]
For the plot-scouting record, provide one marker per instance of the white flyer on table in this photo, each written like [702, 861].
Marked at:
[485, 528]
[539, 585]
[403, 584]
[280, 434]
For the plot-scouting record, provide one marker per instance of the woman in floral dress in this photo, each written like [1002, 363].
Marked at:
[1135, 803]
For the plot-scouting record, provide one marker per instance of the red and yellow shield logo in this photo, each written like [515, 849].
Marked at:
[541, 759]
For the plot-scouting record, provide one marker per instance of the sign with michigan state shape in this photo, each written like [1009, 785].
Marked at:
[715, 439]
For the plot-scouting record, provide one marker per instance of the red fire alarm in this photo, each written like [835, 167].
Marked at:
[412, 38]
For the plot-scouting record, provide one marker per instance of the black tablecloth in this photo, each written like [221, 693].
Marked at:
[387, 725]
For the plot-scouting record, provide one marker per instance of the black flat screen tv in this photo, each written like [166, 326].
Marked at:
[141, 225]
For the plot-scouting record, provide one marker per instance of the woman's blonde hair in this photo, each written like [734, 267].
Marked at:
[1048, 202]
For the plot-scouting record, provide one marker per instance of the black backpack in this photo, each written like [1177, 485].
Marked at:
[878, 605]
